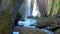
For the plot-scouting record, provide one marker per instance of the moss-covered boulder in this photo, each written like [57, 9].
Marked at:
[57, 31]
[25, 30]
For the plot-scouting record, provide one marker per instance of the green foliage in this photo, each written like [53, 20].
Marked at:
[56, 5]
[19, 15]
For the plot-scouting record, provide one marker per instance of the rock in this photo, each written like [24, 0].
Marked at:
[25, 30]
[57, 31]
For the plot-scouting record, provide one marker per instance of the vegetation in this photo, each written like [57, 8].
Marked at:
[7, 19]
[50, 16]
[5, 23]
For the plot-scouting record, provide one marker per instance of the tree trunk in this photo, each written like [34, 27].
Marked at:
[8, 16]
[58, 13]
[42, 5]
[51, 10]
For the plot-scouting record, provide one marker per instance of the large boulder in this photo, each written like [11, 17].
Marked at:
[25, 30]
[57, 31]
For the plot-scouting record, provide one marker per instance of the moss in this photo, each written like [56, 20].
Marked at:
[30, 17]
[19, 15]
[57, 31]
[43, 23]
[25, 30]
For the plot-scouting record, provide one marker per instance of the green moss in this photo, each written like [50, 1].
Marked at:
[57, 31]
[30, 17]
[19, 15]
[45, 22]
[25, 30]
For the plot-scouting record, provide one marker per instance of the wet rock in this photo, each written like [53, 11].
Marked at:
[25, 30]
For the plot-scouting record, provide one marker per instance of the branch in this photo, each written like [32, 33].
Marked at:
[51, 10]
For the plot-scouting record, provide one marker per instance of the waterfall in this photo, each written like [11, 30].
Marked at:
[35, 11]
[28, 4]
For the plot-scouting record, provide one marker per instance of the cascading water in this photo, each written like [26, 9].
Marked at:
[28, 4]
[27, 22]
[35, 11]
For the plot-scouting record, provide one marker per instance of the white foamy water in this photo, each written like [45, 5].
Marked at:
[15, 32]
[35, 11]
[28, 4]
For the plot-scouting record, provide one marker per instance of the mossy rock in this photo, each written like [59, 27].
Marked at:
[25, 30]
[57, 31]
[47, 23]
[30, 17]
[41, 24]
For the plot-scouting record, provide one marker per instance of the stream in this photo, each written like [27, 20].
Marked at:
[28, 22]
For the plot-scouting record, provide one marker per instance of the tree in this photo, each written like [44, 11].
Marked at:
[8, 16]
[58, 13]
[50, 20]
[42, 5]
[51, 10]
